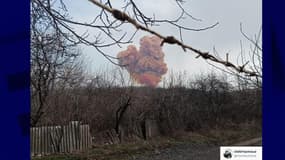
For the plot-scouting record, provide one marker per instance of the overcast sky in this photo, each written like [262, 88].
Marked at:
[225, 37]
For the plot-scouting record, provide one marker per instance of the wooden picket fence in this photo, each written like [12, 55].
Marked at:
[60, 139]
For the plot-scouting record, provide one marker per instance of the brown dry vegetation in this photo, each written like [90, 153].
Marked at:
[208, 102]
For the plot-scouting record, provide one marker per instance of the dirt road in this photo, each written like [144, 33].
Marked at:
[187, 151]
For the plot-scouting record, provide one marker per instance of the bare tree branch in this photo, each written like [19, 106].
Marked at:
[172, 40]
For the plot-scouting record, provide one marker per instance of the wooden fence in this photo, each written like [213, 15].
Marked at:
[60, 139]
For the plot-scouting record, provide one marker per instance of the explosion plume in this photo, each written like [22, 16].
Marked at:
[146, 65]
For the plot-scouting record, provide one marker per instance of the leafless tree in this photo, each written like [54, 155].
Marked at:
[52, 58]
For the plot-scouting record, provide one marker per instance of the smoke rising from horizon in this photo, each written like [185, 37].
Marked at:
[146, 65]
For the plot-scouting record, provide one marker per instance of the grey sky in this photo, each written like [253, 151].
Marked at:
[225, 37]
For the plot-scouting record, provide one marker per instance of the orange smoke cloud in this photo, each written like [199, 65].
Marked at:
[145, 65]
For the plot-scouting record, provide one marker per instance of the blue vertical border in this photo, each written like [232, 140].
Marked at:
[15, 80]
[273, 79]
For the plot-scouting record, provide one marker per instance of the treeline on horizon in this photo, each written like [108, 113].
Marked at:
[206, 101]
